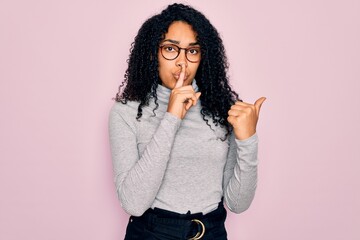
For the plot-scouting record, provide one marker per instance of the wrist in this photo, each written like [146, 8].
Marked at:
[174, 114]
[242, 135]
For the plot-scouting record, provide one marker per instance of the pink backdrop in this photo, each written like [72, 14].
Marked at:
[62, 61]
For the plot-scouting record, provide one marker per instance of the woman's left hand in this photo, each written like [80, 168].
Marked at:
[244, 117]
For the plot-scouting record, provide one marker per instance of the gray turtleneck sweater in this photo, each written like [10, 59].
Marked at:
[178, 165]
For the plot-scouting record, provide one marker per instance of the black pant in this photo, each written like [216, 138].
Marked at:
[165, 225]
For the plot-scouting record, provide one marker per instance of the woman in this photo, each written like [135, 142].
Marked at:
[181, 141]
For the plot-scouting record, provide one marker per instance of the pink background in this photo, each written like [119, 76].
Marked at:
[62, 61]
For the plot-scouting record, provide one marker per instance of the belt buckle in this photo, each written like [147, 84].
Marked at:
[199, 234]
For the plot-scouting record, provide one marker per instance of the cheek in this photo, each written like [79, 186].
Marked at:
[161, 67]
[165, 71]
[194, 69]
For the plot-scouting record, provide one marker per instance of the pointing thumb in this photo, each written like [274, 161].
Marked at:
[258, 104]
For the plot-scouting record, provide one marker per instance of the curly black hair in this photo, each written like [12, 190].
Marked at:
[142, 76]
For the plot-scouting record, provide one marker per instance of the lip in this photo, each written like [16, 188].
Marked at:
[177, 76]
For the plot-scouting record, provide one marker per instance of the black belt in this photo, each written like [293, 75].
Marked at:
[193, 224]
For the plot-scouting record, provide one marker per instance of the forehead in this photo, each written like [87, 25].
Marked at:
[182, 32]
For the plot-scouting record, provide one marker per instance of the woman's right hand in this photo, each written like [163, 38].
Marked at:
[182, 98]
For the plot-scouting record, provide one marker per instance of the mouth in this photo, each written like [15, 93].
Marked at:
[177, 76]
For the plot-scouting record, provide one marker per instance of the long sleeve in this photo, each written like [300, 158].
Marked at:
[240, 173]
[138, 178]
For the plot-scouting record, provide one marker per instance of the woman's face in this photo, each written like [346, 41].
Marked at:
[181, 35]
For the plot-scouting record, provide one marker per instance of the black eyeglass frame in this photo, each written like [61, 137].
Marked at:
[178, 52]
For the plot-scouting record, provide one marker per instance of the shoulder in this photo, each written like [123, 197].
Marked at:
[126, 111]
[129, 107]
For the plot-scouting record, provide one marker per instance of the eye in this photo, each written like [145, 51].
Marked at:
[194, 51]
[170, 48]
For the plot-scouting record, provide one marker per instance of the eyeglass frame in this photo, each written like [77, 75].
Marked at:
[178, 52]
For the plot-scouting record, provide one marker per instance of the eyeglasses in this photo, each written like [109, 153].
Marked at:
[170, 52]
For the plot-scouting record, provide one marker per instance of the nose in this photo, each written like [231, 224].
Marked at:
[181, 59]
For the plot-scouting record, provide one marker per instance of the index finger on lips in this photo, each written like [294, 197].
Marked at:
[180, 81]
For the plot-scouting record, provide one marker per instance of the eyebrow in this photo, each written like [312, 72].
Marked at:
[177, 42]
